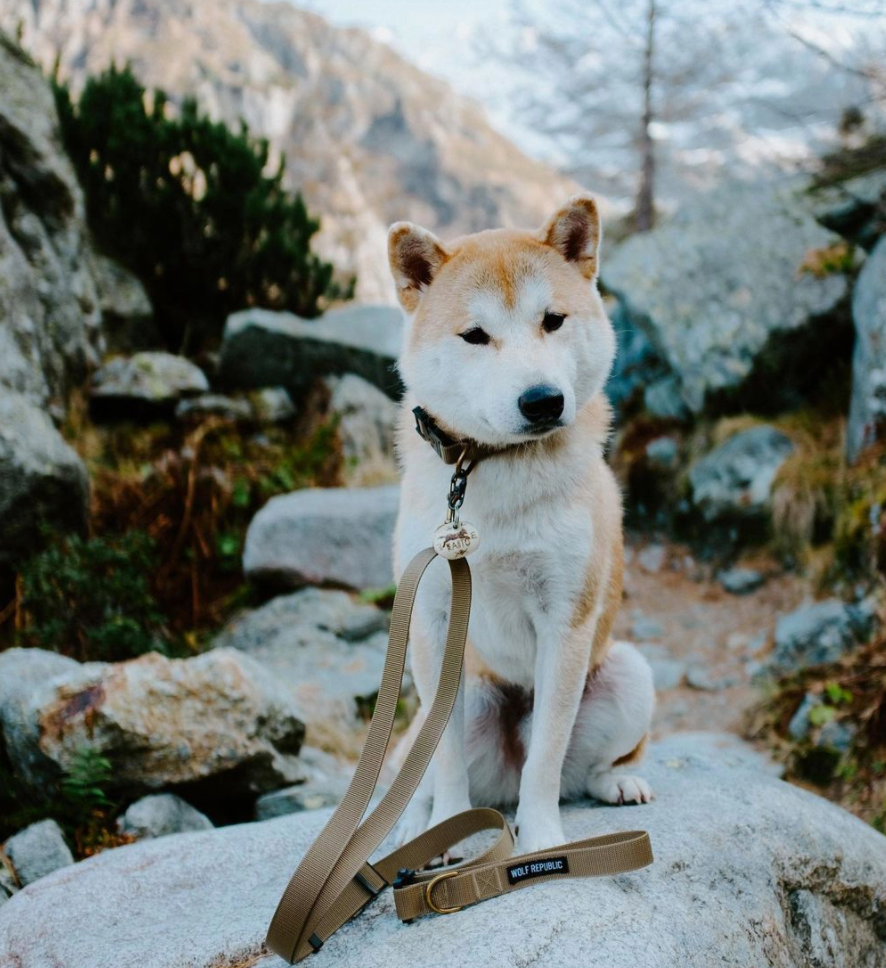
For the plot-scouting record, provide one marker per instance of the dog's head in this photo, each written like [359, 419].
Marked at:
[507, 337]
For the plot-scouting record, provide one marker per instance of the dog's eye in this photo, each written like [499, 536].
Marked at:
[552, 322]
[475, 336]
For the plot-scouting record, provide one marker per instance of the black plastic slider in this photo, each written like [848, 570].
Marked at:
[366, 885]
[404, 878]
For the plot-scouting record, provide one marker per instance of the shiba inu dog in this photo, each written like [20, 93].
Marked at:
[507, 348]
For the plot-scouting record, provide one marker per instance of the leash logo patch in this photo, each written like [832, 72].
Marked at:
[537, 868]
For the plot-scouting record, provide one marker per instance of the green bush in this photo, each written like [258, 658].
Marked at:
[92, 599]
[78, 800]
[85, 783]
[192, 208]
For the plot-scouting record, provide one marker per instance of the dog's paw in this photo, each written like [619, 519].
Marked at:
[619, 788]
[538, 833]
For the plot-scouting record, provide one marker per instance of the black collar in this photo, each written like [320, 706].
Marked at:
[447, 448]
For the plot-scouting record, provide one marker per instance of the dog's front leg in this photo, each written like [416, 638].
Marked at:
[561, 669]
[450, 773]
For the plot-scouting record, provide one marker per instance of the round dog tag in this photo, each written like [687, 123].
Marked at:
[453, 540]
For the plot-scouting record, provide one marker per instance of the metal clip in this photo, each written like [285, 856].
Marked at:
[458, 485]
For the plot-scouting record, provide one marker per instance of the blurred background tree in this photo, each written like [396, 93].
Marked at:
[197, 211]
[646, 98]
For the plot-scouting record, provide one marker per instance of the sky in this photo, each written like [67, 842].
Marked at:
[439, 38]
[431, 34]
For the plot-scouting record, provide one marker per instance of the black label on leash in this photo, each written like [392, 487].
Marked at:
[537, 868]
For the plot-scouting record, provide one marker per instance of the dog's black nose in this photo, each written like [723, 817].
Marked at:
[541, 404]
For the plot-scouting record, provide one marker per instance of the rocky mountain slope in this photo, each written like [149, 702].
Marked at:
[368, 137]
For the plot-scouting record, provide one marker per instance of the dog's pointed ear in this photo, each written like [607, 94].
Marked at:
[574, 231]
[416, 256]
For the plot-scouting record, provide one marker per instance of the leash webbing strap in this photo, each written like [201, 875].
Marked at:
[335, 881]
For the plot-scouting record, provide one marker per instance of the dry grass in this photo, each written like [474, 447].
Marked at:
[851, 691]
[193, 489]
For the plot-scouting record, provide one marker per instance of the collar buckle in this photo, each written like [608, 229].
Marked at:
[444, 445]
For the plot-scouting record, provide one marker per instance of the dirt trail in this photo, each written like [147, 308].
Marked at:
[703, 642]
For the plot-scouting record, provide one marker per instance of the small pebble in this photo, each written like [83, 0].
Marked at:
[667, 673]
[799, 726]
[741, 581]
[644, 628]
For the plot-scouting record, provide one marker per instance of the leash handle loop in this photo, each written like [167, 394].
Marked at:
[335, 881]
[322, 893]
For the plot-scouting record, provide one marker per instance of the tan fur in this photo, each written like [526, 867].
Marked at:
[635, 755]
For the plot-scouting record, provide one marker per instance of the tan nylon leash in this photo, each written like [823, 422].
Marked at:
[335, 881]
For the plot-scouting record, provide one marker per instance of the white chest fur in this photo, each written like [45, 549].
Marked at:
[534, 518]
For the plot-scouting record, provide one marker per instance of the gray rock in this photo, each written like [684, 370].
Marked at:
[663, 398]
[147, 383]
[324, 536]
[637, 363]
[663, 452]
[214, 405]
[160, 815]
[263, 348]
[160, 721]
[749, 871]
[713, 289]
[800, 725]
[652, 557]
[37, 850]
[127, 314]
[868, 408]
[311, 795]
[272, 405]
[853, 208]
[25, 674]
[50, 319]
[741, 581]
[837, 735]
[819, 633]
[366, 424]
[325, 784]
[43, 482]
[734, 481]
[326, 649]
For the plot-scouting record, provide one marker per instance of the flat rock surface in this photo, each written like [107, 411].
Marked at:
[749, 871]
[338, 536]
[263, 348]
